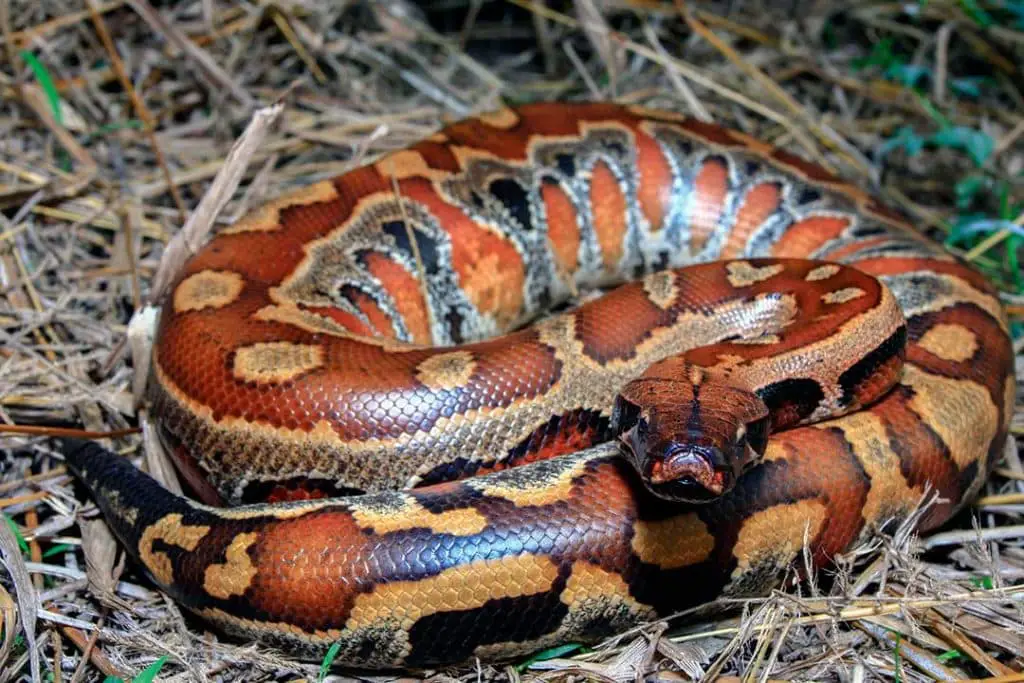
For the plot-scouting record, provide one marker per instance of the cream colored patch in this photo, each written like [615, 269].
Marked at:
[464, 587]
[447, 370]
[438, 137]
[207, 289]
[170, 531]
[954, 343]
[961, 412]
[841, 296]
[412, 515]
[276, 362]
[672, 543]
[537, 491]
[822, 272]
[267, 217]
[503, 118]
[775, 537]
[889, 494]
[661, 289]
[234, 576]
[763, 339]
[744, 274]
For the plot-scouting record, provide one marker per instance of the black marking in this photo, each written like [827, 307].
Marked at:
[456, 468]
[851, 380]
[426, 246]
[794, 398]
[616, 148]
[868, 231]
[514, 197]
[454, 635]
[683, 146]
[808, 195]
[752, 167]
[454, 319]
[589, 425]
[566, 164]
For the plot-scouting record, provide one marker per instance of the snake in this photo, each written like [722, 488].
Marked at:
[553, 372]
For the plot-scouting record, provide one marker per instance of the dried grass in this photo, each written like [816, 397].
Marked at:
[151, 102]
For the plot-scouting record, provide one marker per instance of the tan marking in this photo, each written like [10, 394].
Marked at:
[252, 626]
[503, 118]
[276, 362]
[661, 289]
[447, 370]
[267, 217]
[776, 536]
[170, 531]
[841, 296]
[960, 411]
[954, 343]
[234, 576]
[588, 581]
[438, 137]
[412, 515]
[661, 542]
[464, 587]
[658, 115]
[207, 289]
[822, 272]
[744, 274]
[290, 314]
[889, 495]
[532, 492]
[408, 163]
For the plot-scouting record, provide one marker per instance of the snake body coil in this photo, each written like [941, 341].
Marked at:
[374, 332]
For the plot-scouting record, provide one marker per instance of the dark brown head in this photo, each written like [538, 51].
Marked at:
[689, 436]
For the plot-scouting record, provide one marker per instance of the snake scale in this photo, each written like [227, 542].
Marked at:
[396, 452]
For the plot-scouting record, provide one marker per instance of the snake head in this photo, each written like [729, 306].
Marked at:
[689, 436]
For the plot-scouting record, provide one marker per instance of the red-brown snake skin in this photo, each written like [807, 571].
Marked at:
[380, 331]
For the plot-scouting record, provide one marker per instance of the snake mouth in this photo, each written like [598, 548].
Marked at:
[691, 473]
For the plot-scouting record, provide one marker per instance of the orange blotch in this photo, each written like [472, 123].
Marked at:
[760, 203]
[608, 204]
[710, 187]
[563, 229]
[379, 320]
[655, 189]
[807, 235]
[309, 570]
[491, 271]
[407, 294]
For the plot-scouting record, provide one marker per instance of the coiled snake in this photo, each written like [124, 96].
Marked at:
[787, 361]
